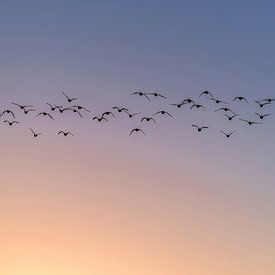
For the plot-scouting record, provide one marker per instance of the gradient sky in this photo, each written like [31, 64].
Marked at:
[171, 202]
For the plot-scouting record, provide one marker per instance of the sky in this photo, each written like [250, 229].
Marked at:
[173, 201]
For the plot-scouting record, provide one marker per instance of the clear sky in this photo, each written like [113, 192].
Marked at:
[172, 202]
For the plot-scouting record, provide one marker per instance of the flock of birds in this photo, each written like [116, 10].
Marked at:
[192, 104]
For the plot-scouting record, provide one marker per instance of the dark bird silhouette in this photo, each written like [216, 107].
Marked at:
[225, 109]
[207, 93]
[34, 133]
[197, 106]
[120, 109]
[141, 94]
[65, 133]
[137, 130]
[269, 100]
[108, 114]
[8, 112]
[227, 134]
[131, 115]
[157, 95]
[53, 108]
[70, 99]
[240, 98]
[187, 100]
[249, 121]
[62, 110]
[22, 107]
[26, 111]
[148, 119]
[231, 117]
[77, 112]
[162, 112]
[199, 128]
[261, 116]
[45, 115]
[80, 108]
[217, 101]
[262, 104]
[10, 123]
[99, 119]
[178, 105]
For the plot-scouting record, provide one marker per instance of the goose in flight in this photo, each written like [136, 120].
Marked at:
[70, 99]
[162, 112]
[76, 111]
[26, 111]
[227, 134]
[217, 101]
[45, 115]
[62, 110]
[178, 105]
[199, 128]
[131, 115]
[148, 119]
[10, 123]
[268, 100]
[99, 119]
[157, 95]
[22, 107]
[240, 98]
[262, 104]
[249, 121]
[80, 108]
[261, 116]
[137, 130]
[107, 114]
[53, 108]
[207, 93]
[65, 133]
[198, 106]
[120, 109]
[231, 117]
[8, 112]
[188, 100]
[141, 94]
[34, 133]
[225, 109]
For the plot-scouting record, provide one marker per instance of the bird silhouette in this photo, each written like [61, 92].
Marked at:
[45, 115]
[141, 94]
[228, 135]
[62, 110]
[65, 133]
[240, 98]
[34, 133]
[199, 128]
[70, 99]
[261, 116]
[178, 105]
[206, 93]
[157, 95]
[10, 123]
[197, 106]
[8, 112]
[80, 108]
[108, 114]
[22, 107]
[231, 117]
[131, 115]
[147, 119]
[217, 101]
[137, 130]
[162, 112]
[120, 109]
[269, 100]
[77, 112]
[249, 121]
[26, 111]
[188, 100]
[99, 119]
[262, 104]
[225, 109]
[53, 108]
